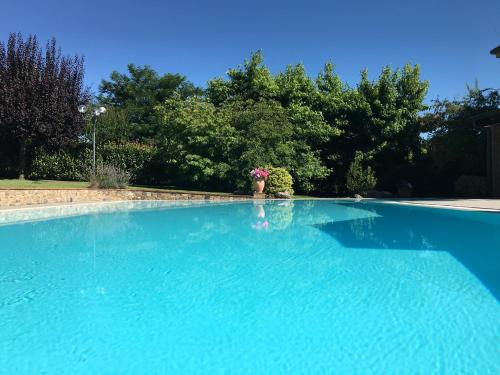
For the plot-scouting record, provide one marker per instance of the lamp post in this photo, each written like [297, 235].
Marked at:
[97, 112]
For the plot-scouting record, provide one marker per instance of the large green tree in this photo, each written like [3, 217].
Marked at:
[194, 142]
[272, 135]
[204, 145]
[314, 128]
[251, 81]
[138, 91]
[378, 120]
[275, 119]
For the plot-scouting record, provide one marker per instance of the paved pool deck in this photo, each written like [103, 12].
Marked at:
[457, 203]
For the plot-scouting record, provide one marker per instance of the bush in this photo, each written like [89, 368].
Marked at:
[360, 180]
[109, 177]
[471, 186]
[61, 165]
[135, 158]
[279, 181]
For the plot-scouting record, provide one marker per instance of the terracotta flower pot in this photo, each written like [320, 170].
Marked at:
[258, 185]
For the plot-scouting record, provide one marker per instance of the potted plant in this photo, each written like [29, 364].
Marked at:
[259, 176]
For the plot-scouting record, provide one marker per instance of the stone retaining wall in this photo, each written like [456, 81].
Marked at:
[28, 197]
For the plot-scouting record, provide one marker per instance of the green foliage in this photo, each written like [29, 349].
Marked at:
[40, 91]
[139, 91]
[109, 177]
[378, 118]
[456, 141]
[265, 136]
[279, 181]
[161, 129]
[252, 81]
[111, 127]
[360, 180]
[134, 158]
[275, 120]
[194, 143]
[471, 186]
[61, 165]
[218, 91]
[310, 127]
[201, 144]
[295, 87]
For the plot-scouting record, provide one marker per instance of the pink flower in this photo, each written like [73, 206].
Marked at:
[261, 225]
[259, 173]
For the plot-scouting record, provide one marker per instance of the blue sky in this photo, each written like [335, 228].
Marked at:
[450, 39]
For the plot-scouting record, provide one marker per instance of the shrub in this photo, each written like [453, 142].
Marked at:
[135, 158]
[471, 186]
[61, 165]
[109, 177]
[360, 180]
[279, 181]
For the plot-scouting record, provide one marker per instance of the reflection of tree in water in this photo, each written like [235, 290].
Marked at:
[124, 231]
[363, 229]
[279, 215]
[85, 229]
[217, 227]
[312, 212]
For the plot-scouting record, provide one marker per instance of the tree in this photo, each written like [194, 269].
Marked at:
[456, 136]
[40, 91]
[111, 127]
[250, 81]
[360, 180]
[378, 119]
[139, 91]
[215, 147]
[194, 142]
[295, 87]
[275, 120]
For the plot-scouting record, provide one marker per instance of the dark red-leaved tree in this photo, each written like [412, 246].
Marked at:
[40, 91]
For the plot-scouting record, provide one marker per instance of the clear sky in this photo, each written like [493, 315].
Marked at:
[450, 39]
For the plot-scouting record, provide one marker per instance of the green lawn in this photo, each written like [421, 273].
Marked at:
[42, 184]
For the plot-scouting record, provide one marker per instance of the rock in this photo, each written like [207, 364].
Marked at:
[405, 189]
[283, 195]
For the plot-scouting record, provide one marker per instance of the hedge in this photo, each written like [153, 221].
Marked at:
[75, 165]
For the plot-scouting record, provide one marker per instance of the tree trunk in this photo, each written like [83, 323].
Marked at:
[22, 159]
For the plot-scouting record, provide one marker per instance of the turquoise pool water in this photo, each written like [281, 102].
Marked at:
[303, 287]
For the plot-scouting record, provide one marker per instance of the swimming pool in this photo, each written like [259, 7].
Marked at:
[273, 287]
